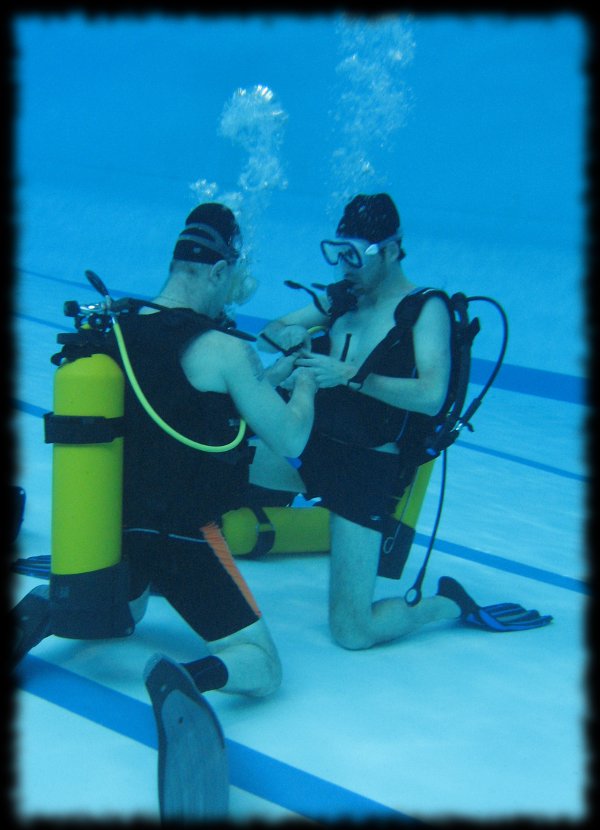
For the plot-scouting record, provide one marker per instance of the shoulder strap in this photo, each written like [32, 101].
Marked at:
[444, 429]
[463, 333]
[406, 315]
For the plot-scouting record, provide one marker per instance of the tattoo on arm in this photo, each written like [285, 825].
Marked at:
[255, 363]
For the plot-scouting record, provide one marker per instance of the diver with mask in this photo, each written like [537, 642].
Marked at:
[383, 367]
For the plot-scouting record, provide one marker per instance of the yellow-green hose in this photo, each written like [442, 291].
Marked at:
[155, 416]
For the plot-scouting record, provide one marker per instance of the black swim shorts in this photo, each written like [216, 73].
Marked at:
[197, 576]
[361, 485]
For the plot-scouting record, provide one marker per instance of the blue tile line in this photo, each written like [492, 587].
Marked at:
[539, 382]
[275, 781]
[518, 459]
[462, 551]
[501, 563]
[38, 412]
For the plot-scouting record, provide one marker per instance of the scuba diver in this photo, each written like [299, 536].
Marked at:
[383, 367]
[204, 381]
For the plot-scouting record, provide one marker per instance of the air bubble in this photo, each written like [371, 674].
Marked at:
[255, 120]
[372, 100]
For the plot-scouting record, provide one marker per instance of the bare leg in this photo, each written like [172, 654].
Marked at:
[251, 660]
[273, 471]
[193, 777]
[356, 621]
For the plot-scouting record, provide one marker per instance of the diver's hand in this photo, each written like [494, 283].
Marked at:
[327, 370]
[279, 371]
[302, 379]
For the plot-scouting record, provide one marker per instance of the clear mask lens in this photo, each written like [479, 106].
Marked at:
[334, 251]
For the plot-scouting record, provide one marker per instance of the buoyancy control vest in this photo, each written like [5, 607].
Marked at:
[167, 485]
[368, 422]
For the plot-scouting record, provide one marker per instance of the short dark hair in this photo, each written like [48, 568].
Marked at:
[373, 218]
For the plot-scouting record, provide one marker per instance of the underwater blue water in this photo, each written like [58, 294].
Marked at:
[117, 118]
[476, 125]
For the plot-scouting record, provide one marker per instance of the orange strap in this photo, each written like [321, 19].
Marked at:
[218, 543]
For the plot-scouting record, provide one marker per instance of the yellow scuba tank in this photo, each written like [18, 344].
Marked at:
[89, 583]
[87, 466]
[88, 580]
[409, 505]
[400, 530]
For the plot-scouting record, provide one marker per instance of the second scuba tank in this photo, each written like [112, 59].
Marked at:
[400, 530]
[255, 532]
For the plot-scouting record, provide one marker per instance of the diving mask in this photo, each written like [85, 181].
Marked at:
[335, 250]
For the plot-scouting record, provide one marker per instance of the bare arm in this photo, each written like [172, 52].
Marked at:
[425, 393]
[291, 329]
[281, 369]
[431, 342]
[217, 362]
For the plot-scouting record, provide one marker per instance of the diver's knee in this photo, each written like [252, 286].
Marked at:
[349, 634]
[139, 605]
[254, 648]
[273, 676]
[352, 641]
[272, 671]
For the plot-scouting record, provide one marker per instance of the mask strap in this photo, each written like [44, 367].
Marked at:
[215, 241]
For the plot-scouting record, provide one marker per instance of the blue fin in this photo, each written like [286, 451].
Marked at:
[506, 617]
[502, 616]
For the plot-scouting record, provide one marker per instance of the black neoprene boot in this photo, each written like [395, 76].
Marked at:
[30, 622]
[451, 589]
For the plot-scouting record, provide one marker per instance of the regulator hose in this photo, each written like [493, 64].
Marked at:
[144, 402]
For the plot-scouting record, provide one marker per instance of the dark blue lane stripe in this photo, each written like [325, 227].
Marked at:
[40, 322]
[539, 382]
[462, 551]
[32, 409]
[501, 563]
[301, 792]
[79, 284]
[252, 771]
[29, 408]
[518, 459]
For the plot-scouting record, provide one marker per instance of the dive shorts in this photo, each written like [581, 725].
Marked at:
[197, 576]
[359, 484]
